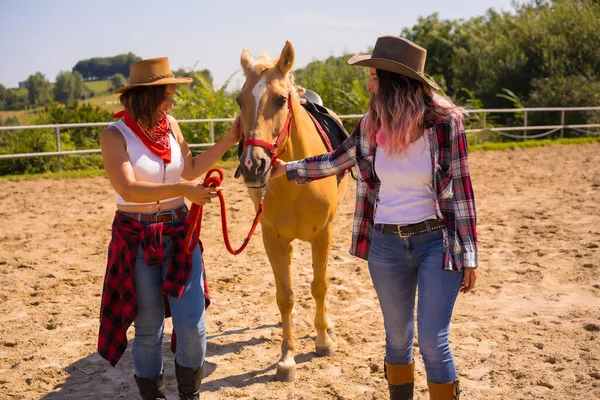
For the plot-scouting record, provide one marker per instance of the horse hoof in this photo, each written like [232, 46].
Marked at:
[285, 372]
[325, 351]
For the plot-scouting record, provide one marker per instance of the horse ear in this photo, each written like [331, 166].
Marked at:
[286, 59]
[246, 61]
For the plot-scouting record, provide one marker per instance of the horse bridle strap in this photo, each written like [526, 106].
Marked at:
[281, 138]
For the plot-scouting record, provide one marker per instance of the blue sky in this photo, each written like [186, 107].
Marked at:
[52, 35]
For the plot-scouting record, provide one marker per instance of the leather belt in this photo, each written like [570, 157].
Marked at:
[411, 229]
[174, 214]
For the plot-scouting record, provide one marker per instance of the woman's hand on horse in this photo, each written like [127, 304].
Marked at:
[235, 132]
[469, 279]
[278, 168]
[199, 194]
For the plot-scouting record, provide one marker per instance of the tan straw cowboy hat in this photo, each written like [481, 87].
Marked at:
[151, 72]
[398, 55]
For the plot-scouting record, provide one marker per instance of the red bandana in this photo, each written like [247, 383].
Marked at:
[156, 138]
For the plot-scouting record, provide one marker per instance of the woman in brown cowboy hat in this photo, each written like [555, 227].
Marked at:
[415, 210]
[149, 274]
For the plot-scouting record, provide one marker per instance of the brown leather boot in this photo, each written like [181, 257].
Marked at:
[188, 382]
[401, 380]
[444, 391]
[151, 389]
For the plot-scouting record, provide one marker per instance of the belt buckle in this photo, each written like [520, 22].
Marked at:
[166, 212]
[403, 235]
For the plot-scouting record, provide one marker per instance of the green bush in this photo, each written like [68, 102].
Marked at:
[44, 140]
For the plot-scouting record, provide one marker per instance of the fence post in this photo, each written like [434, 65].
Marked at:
[484, 120]
[525, 125]
[212, 132]
[57, 134]
[562, 122]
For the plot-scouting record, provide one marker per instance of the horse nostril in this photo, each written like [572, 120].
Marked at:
[261, 167]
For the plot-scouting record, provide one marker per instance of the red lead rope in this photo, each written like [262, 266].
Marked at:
[195, 217]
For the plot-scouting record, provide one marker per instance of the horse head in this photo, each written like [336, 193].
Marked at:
[265, 112]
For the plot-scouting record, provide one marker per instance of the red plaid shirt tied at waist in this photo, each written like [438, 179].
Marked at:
[119, 305]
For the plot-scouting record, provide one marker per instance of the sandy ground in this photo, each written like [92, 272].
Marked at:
[530, 330]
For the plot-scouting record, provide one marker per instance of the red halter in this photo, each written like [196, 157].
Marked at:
[281, 139]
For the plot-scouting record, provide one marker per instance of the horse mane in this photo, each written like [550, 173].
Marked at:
[265, 63]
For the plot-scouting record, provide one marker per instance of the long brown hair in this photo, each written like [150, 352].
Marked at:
[401, 109]
[143, 103]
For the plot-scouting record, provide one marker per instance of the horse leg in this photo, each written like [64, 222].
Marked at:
[279, 251]
[320, 253]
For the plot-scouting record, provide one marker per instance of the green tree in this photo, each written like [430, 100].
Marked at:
[565, 91]
[511, 51]
[118, 80]
[105, 67]
[202, 100]
[442, 39]
[38, 88]
[2, 97]
[44, 140]
[342, 88]
[68, 87]
[530, 53]
[15, 99]
[204, 73]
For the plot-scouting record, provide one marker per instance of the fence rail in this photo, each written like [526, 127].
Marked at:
[582, 128]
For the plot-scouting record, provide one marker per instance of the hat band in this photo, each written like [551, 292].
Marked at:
[154, 78]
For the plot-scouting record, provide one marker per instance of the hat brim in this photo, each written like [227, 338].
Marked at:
[366, 60]
[163, 81]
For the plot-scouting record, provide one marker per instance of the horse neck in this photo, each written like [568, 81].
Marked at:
[304, 140]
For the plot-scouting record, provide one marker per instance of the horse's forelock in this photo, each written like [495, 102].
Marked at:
[263, 64]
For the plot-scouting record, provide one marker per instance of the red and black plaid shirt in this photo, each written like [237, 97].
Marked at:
[453, 196]
[119, 305]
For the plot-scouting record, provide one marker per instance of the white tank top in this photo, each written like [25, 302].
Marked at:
[147, 166]
[405, 194]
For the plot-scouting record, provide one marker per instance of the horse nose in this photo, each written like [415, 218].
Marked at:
[255, 166]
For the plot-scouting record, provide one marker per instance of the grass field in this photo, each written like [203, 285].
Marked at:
[99, 87]
[103, 96]
[24, 116]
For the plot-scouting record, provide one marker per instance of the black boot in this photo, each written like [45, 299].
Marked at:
[401, 380]
[188, 382]
[151, 389]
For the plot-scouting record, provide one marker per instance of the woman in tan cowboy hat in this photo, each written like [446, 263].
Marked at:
[415, 210]
[149, 274]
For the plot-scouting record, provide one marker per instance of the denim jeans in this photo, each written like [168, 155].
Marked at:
[187, 313]
[398, 266]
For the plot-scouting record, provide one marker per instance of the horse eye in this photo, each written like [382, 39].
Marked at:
[280, 101]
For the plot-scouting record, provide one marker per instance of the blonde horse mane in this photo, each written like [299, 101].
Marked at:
[265, 63]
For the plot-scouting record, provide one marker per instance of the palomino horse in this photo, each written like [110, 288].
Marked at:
[271, 113]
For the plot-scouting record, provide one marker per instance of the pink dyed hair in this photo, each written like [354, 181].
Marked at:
[401, 110]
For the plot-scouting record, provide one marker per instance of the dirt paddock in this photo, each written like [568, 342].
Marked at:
[530, 330]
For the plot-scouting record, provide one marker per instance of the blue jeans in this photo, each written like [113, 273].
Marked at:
[187, 313]
[398, 266]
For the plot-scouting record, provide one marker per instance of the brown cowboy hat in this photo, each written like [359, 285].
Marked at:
[151, 72]
[398, 55]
